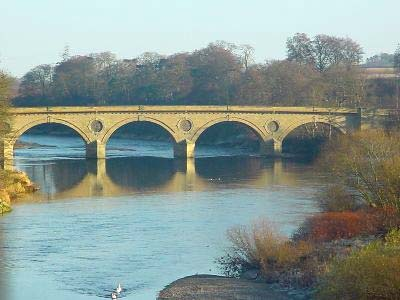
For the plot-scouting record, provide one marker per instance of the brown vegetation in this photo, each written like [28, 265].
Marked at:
[328, 226]
[5, 86]
[261, 247]
[368, 162]
[220, 74]
[13, 185]
[340, 249]
[369, 273]
[336, 199]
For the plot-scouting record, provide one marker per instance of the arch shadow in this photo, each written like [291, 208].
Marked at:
[35, 123]
[254, 128]
[127, 121]
[294, 126]
[307, 139]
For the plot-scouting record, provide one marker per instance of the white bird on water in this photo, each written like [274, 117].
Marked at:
[113, 296]
[119, 289]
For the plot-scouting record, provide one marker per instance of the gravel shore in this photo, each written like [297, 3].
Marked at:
[199, 287]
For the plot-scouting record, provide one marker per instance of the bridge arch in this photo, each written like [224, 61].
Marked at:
[254, 128]
[289, 129]
[20, 131]
[126, 121]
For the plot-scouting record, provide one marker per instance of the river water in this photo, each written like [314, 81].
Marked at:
[140, 218]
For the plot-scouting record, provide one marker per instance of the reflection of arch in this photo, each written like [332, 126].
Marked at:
[140, 173]
[259, 133]
[296, 125]
[120, 124]
[25, 128]
[99, 181]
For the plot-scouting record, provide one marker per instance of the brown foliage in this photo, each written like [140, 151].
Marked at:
[368, 162]
[334, 225]
[260, 246]
[5, 91]
[330, 226]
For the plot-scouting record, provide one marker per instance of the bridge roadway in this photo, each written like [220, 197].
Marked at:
[185, 124]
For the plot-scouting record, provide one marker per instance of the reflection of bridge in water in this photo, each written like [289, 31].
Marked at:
[105, 178]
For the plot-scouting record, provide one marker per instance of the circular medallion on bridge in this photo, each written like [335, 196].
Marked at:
[96, 126]
[185, 125]
[272, 126]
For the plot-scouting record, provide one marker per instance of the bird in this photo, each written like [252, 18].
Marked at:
[119, 289]
[113, 296]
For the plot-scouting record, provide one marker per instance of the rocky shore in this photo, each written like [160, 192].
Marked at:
[13, 184]
[252, 285]
[205, 287]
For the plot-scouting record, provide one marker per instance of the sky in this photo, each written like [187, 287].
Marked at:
[34, 32]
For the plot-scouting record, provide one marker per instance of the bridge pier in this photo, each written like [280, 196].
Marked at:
[266, 147]
[277, 147]
[96, 150]
[6, 154]
[184, 149]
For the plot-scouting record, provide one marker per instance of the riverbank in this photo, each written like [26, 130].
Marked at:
[300, 279]
[204, 287]
[13, 184]
[293, 283]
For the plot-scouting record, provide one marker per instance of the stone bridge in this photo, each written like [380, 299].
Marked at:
[185, 124]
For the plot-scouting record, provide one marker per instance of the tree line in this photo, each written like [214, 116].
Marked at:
[5, 94]
[321, 71]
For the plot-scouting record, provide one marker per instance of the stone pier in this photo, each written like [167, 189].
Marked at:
[184, 149]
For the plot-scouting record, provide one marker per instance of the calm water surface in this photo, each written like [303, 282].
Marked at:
[140, 217]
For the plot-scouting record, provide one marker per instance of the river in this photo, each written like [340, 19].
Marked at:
[140, 218]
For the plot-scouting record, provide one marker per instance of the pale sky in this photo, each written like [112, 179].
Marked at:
[34, 32]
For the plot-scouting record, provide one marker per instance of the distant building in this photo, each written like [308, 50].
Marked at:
[372, 73]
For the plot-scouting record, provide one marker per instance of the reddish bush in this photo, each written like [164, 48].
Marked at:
[383, 219]
[343, 225]
[336, 225]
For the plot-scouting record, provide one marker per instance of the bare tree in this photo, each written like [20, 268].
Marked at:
[5, 89]
[323, 51]
[37, 82]
[247, 55]
[397, 70]
[300, 48]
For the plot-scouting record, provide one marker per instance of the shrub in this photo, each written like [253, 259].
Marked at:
[368, 162]
[329, 226]
[261, 247]
[383, 219]
[336, 199]
[369, 273]
[324, 227]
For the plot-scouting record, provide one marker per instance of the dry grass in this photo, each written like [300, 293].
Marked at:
[261, 246]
